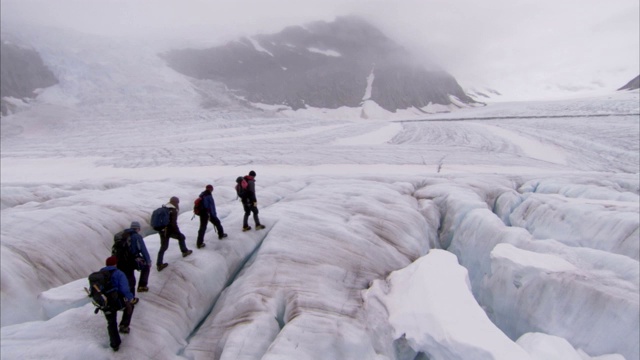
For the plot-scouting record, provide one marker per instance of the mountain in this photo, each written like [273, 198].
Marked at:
[22, 73]
[632, 85]
[322, 65]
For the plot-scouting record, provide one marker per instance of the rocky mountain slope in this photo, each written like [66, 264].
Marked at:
[632, 85]
[322, 65]
[21, 73]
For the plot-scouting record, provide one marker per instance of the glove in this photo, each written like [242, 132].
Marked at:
[255, 204]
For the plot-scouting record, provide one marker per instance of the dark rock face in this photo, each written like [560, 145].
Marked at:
[322, 65]
[21, 72]
[632, 85]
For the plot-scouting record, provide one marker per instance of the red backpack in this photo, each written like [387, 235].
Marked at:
[197, 205]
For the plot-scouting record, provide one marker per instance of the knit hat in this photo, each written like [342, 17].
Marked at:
[111, 261]
[135, 225]
[174, 200]
[252, 173]
[209, 187]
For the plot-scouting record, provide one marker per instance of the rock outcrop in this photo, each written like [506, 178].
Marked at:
[21, 73]
[632, 85]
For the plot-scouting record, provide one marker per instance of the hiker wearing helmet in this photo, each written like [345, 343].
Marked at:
[207, 214]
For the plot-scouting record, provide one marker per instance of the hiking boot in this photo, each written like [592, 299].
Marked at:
[259, 227]
[200, 246]
[222, 236]
[246, 228]
[187, 253]
[124, 329]
[115, 348]
[160, 267]
[143, 289]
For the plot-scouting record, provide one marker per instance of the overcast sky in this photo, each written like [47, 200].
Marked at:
[505, 44]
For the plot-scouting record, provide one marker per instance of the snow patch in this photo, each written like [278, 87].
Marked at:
[258, 47]
[327, 52]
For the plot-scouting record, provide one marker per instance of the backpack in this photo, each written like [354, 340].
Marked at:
[102, 292]
[122, 249]
[160, 218]
[198, 205]
[241, 187]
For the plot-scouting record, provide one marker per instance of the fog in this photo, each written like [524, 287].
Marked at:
[524, 48]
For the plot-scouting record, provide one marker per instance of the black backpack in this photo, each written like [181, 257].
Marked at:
[160, 218]
[122, 250]
[242, 187]
[102, 292]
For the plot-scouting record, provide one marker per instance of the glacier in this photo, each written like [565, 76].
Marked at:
[503, 232]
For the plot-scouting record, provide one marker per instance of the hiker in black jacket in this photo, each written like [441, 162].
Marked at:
[250, 203]
[206, 214]
[171, 231]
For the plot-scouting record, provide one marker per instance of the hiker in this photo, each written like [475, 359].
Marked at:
[208, 213]
[142, 260]
[250, 203]
[120, 283]
[172, 231]
[136, 258]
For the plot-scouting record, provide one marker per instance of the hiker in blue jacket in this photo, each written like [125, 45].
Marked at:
[208, 213]
[120, 283]
[138, 259]
[141, 257]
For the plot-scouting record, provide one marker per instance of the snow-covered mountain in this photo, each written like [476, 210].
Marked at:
[322, 65]
[317, 78]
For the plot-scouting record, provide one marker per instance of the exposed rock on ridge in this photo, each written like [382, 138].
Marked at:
[323, 65]
[632, 85]
[21, 72]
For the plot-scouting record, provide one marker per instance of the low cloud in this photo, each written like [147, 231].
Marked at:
[500, 43]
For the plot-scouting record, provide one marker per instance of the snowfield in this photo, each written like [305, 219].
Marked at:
[509, 231]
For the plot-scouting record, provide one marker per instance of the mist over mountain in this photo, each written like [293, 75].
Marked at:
[21, 73]
[323, 65]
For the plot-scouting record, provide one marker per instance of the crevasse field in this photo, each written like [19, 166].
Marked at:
[508, 231]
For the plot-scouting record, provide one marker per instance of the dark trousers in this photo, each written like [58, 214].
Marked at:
[144, 275]
[164, 243]
[248, 209]
[112, 325]
[131, 277]
[204, 221]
